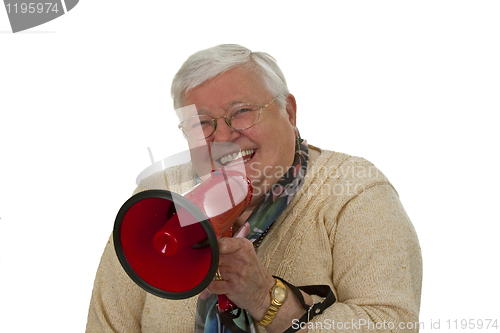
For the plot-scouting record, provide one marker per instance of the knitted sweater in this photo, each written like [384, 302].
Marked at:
[345, 228]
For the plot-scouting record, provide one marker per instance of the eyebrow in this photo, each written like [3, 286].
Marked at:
[229, 105]
[237, 102]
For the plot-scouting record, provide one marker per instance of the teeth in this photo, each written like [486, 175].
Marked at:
[231, 157]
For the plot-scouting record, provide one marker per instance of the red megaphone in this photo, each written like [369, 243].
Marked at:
[167, 243]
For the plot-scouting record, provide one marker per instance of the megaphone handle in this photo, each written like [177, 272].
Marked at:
[225, 303]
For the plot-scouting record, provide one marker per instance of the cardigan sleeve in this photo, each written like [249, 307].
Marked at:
[117, 302]
[377, 267]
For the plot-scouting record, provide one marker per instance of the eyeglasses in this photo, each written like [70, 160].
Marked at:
[239, 117]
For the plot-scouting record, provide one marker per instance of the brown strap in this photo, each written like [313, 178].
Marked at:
[313, 310]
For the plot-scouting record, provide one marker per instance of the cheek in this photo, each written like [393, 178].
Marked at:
[276, 157]
[276, 142]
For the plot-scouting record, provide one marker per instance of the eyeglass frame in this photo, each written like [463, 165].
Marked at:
[228, 122]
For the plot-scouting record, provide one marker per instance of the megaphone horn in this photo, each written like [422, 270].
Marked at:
[167, 242]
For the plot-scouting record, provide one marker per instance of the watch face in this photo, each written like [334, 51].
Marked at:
[279, 293]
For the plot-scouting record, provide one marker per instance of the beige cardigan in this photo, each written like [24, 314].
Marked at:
[345, 228]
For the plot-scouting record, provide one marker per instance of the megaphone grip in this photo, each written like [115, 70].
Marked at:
[225, 303]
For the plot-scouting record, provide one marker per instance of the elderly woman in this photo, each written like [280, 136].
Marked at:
[341, 229]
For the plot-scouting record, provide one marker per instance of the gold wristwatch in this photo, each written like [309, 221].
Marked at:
[278, 297]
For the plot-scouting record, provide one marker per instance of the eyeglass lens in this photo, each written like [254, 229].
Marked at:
[240, 117]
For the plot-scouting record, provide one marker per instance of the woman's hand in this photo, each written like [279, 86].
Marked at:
[245, 281]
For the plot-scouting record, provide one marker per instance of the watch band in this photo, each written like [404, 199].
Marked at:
[276, 303]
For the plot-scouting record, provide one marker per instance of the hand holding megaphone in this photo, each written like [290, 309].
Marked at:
[167, 243]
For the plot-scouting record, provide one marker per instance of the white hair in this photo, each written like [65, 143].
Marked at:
[206, 64]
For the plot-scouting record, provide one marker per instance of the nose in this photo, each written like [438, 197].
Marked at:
[224, 132]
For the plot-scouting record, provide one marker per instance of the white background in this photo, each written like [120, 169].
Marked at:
[411, 86]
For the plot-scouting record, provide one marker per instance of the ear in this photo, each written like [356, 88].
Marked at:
[291, 110]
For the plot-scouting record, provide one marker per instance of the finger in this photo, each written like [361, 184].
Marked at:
[205, 294]
[218, 287]
[229, 245]
[225, 274]
[243, 231]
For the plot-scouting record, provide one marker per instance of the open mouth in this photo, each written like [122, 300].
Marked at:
[235, 158]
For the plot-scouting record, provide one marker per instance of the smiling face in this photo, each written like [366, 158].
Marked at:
[267, 147]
